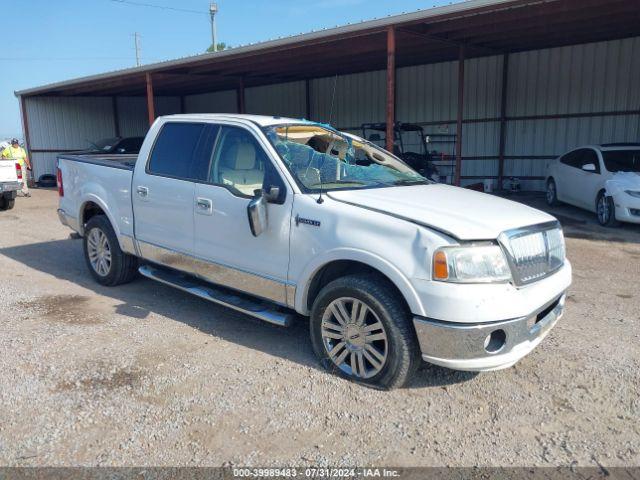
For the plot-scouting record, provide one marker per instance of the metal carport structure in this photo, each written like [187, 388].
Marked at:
[504, 75]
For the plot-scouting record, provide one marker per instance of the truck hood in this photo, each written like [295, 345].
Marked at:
[459, 212]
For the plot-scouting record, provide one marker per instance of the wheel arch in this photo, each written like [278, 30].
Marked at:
[92, 206]
[343, 263]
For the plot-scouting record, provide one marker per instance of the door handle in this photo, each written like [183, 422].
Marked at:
[142, 191]
[204, 205]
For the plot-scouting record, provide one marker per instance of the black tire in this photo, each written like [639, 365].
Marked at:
[401, 345]
[123, 267]
[552, 193]
[606, 211]
[8, 203]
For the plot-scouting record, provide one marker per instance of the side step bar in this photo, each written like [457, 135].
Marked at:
[220, 295]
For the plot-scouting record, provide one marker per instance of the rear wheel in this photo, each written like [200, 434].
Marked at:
[108, 264]
[552, 193]
[364, 333]
[606, 211]
[7, 202]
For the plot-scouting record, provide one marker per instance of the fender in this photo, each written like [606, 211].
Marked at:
[374, 261]
[92, 197]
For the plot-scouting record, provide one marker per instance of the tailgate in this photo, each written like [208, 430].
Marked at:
[8, 171]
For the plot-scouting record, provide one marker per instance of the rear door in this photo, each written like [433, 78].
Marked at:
[163, 192]
[232, 255]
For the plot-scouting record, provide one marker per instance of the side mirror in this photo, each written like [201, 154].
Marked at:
[589, 167]
[257, 212]
[272, 195]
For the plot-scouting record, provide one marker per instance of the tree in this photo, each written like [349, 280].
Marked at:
[220, 46]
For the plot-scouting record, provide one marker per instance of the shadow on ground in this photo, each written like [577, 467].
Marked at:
[63, 259]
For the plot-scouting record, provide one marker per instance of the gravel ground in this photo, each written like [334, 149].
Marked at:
[142, 374]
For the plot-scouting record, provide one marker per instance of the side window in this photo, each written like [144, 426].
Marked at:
[241, 164]
[589, 157]
[183, 151]
[572, 159]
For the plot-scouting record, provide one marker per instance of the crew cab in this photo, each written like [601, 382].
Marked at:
[281, 218]
[10, 183]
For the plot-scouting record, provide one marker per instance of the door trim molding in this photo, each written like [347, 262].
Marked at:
[254, 284]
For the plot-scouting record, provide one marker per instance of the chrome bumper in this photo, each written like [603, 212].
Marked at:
[68, 220]
[485, 346]
[10, 186]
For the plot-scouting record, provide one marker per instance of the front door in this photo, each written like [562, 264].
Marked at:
[223, 239]
[588, 183]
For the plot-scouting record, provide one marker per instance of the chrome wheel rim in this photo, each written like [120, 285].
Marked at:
[603, 210]
[354, 338]
[551, 192]
[99, 252]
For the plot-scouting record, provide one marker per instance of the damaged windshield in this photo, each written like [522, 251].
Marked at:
[622, 160]
[322, 158]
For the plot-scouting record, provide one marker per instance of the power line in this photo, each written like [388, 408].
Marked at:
[161, 7]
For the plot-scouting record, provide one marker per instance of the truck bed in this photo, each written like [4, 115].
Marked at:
[123, 162]
[104, 177]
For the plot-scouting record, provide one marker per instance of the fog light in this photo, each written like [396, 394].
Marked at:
[495, 341]
[635, 211]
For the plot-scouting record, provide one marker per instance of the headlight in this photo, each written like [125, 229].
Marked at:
[633, 193]
[471, 264]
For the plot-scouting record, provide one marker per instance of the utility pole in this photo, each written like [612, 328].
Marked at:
[213, 9]
[136, 40]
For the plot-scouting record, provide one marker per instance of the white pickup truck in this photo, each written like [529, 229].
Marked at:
[10, 183]
[273, 216]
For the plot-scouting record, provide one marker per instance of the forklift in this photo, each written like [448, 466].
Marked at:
[409, 144]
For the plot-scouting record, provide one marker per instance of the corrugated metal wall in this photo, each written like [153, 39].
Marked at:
[133, 116]
[597, 78]
[349, 100]
[57, 123]
[284, 99]
[70, 123]
[220, 102]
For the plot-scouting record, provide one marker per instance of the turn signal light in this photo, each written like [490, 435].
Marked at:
[440, 268]
[19, 171]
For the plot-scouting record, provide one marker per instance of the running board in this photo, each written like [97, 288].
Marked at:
[222, 296]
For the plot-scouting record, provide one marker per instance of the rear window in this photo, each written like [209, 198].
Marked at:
[622, 160]
[183, 151]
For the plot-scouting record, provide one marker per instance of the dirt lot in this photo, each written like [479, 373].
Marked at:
[146, 375]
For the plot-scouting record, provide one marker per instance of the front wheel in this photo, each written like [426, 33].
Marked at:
[606, 211]
[364, 333]
[108, 264]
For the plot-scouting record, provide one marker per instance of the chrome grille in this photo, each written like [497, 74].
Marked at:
[534, 252]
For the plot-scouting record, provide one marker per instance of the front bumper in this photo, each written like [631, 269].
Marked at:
[485, 346]
[627, 208]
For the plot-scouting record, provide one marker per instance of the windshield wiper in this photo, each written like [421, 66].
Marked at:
[411, 182]
[339, 182]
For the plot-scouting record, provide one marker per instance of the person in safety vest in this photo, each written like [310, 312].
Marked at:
[17, 153]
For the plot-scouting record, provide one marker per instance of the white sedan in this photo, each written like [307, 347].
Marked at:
[604, 179]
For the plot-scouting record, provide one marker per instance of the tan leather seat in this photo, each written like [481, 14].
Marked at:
[241, 171]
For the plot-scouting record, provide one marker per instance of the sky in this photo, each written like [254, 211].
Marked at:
[46, 41]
